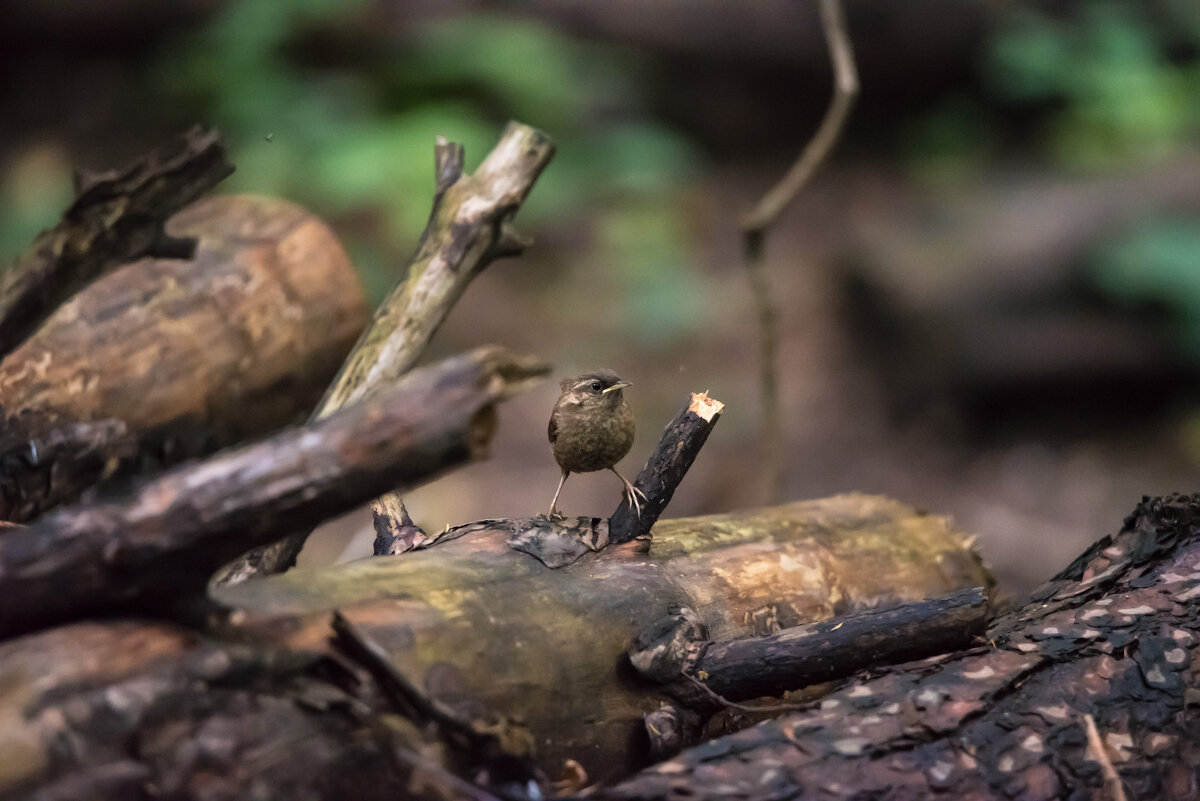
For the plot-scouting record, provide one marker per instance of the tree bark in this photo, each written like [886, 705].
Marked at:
[1111, 644]
[165, 359]
[159, 544]
[674, 651]
[469, 227]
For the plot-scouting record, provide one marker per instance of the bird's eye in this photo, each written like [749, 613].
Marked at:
[597, 386]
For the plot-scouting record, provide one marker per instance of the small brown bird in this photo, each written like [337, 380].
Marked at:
[591, 428]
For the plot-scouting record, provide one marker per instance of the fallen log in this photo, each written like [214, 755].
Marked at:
[167, 359]
[492, 632]
[1087, 690]
[117, 217]
[531, 654]
[159, 544]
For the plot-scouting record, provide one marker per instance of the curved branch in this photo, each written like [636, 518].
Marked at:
[768, 209]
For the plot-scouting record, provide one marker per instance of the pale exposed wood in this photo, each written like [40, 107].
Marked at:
[468, 228]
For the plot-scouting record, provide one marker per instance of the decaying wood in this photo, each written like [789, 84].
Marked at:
[1115, 638]
[166, 359]
[469, 227]
[703, 674]
[530, 655]
[1085, 691]
[492, 633]
[117, 216]
[127, 709]
[671, 459]
[161, 542]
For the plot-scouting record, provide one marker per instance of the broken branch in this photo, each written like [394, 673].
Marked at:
[677, 449]
[468, 228]
[163, 540]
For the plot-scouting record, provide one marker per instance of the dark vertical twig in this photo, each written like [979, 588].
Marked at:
[677, 448]
[768, 209]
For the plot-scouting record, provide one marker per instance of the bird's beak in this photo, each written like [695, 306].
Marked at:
[618, 385]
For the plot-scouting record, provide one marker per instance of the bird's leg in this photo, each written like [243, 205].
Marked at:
[554, 513]
[631, 492]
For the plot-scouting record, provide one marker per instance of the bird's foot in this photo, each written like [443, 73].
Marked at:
[631, 495]
[555, 516]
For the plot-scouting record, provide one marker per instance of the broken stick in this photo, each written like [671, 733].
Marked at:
[161, 542]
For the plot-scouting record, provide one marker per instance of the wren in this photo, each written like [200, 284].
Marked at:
[591, 428]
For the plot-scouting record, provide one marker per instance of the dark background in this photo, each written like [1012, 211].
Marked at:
[989, 298]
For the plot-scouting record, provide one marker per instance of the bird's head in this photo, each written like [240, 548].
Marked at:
[594, 389]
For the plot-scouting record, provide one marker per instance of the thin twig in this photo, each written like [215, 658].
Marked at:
[1112, 781]
[768, 209]
[723, 701]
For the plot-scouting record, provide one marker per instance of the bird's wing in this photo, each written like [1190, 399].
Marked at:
[552, 429]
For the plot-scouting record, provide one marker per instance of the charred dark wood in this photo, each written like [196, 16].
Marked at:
[470, 226]
[701, 673]
[50, 466]
[666, 467]
[117, 217]
[163, 540]
[169, 713]
[1112, 643]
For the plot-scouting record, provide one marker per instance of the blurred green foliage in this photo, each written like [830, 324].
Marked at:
[1088, 87]
[1157, 263]
[1103, 83]
[1109, 76]
[349, 131]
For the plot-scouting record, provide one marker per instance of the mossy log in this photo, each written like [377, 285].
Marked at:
[531, 653]
[481, 626]
[167, 358]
